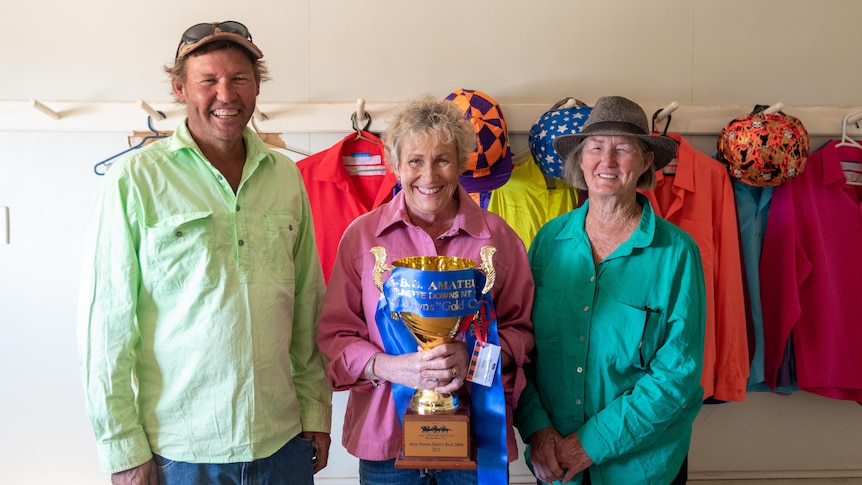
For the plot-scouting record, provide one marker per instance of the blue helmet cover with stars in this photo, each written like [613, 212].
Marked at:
[555, 122]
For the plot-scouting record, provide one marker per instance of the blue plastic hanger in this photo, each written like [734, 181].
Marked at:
[102, 167]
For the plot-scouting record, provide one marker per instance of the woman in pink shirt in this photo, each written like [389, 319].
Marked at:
[427, 147]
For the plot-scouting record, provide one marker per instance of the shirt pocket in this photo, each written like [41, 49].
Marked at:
[180, 252]
[282, 229]
[636, 329]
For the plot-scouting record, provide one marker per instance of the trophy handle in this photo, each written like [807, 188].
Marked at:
[380, 267]
[487, 267]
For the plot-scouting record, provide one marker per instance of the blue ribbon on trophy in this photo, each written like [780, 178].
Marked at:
[453, 290]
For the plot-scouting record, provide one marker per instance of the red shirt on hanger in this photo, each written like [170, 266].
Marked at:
[343, 182]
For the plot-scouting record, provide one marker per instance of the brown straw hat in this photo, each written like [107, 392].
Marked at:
[618, 116]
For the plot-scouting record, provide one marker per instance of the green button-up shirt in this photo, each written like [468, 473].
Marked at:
[619, 346]
[198, 310]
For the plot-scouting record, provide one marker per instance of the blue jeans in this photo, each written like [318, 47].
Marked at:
[291, 465]
[385, 473]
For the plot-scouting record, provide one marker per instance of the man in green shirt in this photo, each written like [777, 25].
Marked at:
[201, 293]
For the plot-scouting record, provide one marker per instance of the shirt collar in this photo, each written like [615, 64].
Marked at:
[640, 238]
[643, 235]
[685, 165]
[255, 149]
[830, 163]
[470, 217]
[751, 195]
[330, 168]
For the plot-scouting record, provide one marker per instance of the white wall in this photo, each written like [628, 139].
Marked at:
[728, 53]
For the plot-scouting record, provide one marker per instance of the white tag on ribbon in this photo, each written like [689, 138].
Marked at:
[483, 364]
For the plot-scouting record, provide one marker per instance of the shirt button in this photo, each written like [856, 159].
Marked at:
[237, 208]
[290, 227]
[592, 278]
[586, 308]
[179, 234]
[583, 338]
[578, 402]
[580, 369]
[241, 242]
[220, 177]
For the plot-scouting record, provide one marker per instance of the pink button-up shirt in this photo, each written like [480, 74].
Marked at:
[809, 276]
[348, 334]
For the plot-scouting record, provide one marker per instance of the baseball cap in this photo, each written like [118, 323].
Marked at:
[201, 34]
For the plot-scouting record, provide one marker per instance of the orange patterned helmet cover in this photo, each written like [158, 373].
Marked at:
[763, 150]
[486, 117]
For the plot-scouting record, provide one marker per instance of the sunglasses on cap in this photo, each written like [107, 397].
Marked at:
[199, 32]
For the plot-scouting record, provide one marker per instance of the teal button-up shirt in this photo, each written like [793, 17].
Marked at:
[619, 346]
[199, 307]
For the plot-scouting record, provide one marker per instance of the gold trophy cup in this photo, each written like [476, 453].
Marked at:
[436, 428]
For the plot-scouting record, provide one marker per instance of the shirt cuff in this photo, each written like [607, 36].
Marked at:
[597, 448]
[316, 417]
[122, 454]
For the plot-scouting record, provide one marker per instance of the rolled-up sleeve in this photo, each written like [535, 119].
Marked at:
[343, 333]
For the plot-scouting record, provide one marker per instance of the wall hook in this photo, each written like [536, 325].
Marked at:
[260, 114]
[853, 119]
[775, 108]
[664, 113]
[44, 109]
[359, 116]
[150, 111]
[4, 225]
[570, 103]
[360, 109]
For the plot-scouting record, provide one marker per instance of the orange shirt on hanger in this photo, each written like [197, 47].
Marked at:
[699, 199]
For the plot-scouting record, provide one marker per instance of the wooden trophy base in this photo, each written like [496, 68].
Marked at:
[437, 441]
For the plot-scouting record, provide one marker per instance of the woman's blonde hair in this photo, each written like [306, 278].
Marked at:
[427, 116]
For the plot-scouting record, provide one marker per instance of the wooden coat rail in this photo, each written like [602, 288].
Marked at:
[334, 117]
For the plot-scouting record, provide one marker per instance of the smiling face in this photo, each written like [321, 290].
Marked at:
[428, 170]
[612, 165]
[219, 91]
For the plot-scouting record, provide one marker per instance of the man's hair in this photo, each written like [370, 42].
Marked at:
[177, 70]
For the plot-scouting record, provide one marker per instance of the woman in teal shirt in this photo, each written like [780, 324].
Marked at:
[619, 317]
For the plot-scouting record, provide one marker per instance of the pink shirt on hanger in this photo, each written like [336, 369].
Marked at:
[811, 275]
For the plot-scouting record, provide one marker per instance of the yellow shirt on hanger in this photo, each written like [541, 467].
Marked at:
[526, 202]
